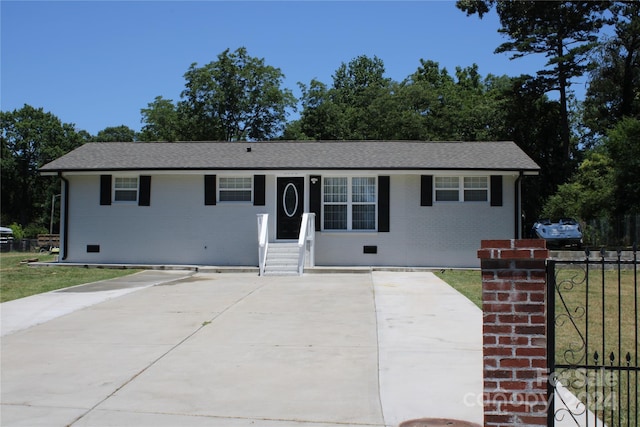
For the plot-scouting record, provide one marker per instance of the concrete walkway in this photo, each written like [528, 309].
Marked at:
[30, 311]
[430, 346]
[237, 350]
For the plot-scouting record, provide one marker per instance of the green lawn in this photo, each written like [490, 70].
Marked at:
[18, 280]
[610, 333]
[467, 282]
[604, 335]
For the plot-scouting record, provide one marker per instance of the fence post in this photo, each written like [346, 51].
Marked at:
[514, 332]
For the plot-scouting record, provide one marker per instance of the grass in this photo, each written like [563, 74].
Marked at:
[467, 282]
[18, 280]
[604, 336]
[598, 316]
[600, 390]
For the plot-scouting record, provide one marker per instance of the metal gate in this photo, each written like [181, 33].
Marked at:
[592, 339]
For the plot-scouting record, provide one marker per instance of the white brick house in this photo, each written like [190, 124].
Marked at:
[376, 203]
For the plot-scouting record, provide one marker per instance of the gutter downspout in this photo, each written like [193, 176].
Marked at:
[65, 214]
[517, 208]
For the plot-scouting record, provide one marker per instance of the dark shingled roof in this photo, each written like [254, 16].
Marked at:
[115, 156]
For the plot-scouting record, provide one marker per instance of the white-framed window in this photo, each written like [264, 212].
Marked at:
[349, 203]
[462, 189]
[125, 189]
[447, 188]
[476, 189]
[335, 205]
[235, 189]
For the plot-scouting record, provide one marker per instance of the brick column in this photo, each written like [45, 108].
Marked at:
[514, 332]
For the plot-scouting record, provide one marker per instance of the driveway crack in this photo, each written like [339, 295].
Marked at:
[163, 355]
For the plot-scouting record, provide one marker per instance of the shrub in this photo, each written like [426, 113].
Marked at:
[18, 232]
[31, 231]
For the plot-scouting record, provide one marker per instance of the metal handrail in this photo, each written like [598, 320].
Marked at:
[306, 238]
[263, 241]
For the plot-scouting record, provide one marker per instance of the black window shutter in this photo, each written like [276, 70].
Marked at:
[144, 196]
[383, 203]
[315, 198]
[210, 190]
[105, 189]
[426, 190]
[496, 190]
[258, 190]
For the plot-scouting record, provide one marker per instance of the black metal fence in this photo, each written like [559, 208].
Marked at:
[22, 245]
[592, 338]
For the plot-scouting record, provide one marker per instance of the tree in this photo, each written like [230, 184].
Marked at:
[356, 106]
[614, 85]
[115, 134]
[358, 82]
[321, 117]
[162, 121]
[532, 121]
[623, 145]
[588, 195]
[466, 107]
[237, 97]
[358, 89]
[428, 93]
[293, 132]
[564, 31]
[30, 138]
[428, 105]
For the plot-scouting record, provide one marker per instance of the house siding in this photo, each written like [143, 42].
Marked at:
[178, 228]
[442, 235]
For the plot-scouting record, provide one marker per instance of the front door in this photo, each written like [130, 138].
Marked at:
[290, 207]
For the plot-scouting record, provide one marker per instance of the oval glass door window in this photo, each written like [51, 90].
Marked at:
[290, 200]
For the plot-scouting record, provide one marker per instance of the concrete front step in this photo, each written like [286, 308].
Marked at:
[292, 265]
[282, 259]
[280, 273]
[283, 248]
[281, 270]
[282, 256]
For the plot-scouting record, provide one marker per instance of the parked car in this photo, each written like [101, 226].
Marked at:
[565, 232]
[6, 239]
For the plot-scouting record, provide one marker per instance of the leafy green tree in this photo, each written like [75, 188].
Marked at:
[531, 120]
[162, 121]
[614, 85]
[237, 97]
[427, 94]
[293, 132]
[361, 91]
[475, 108]
[357, 106]
[623, 145]
[563, 31]
[589, 194]
[356, 82]
[321, 117]
[428, 105]
[115, 134]
[356, 86]
[388, 117]
[406, 120]
[466, 107]
[30, 138]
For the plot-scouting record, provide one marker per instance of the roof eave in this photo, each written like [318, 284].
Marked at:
[52, 172]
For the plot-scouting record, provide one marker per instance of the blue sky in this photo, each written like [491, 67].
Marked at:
[96, 64]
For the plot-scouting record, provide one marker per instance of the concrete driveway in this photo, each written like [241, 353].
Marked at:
[235, 349]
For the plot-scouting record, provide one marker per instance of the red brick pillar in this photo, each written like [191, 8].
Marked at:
[514, 332]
